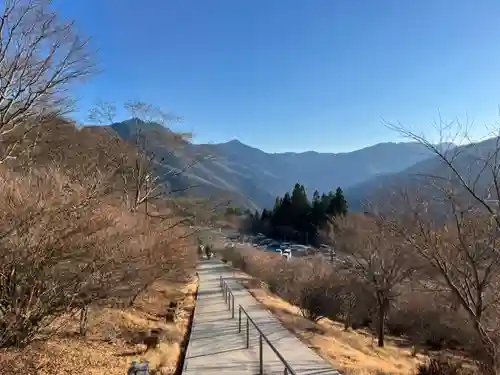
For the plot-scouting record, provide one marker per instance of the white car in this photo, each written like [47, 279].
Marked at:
[286, 253]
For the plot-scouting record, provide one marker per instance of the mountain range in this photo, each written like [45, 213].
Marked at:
[253, 178]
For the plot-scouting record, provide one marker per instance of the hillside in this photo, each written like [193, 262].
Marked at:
[189, 169]
[468, 160]
[94, 286]
[253, 178]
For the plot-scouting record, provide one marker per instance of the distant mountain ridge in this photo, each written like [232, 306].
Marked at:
[468, 160]
[253, 178]
[319, 171]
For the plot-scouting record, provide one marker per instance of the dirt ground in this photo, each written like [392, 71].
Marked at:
[351, 352]
[113, 340]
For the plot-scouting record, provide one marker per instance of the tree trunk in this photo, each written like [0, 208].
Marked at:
[347, 321]
[84, 319]
[382, 310]
[350, 304]
[489, 360]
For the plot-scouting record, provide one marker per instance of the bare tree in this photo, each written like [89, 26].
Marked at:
[462, 248]
[55, 251]
[463, 254]
[472, 170]
[143, 182]
[104, 112]
[376, 257]
[148, 176]
[41, 57]
[64, 250]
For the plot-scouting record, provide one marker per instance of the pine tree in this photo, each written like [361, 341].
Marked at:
[294, 213]
[338, 204]
[342, 206]
[318, 210]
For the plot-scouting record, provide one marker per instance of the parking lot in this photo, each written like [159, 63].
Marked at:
[287, 249]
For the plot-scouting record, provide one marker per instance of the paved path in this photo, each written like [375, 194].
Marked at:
[216, 347]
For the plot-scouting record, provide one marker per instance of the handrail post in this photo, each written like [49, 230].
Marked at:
[261, 354]
[229, 299]
[232, 312]
[287, 369]
[239, 319]
[248, 333]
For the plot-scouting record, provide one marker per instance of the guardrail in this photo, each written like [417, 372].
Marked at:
[229, 299]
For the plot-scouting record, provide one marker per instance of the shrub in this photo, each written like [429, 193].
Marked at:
[442, 366]
[62, 248]
[427, 320]
[313, 290]
[52, 251]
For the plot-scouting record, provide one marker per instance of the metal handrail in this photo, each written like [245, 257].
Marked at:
[229, 299]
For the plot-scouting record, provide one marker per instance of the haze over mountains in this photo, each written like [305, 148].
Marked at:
[276, 173]
[253, 178]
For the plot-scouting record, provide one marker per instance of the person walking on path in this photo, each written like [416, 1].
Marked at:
[208, 252]
[201, 250]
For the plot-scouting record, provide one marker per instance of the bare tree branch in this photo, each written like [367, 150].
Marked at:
[376, 257]
[41, 57]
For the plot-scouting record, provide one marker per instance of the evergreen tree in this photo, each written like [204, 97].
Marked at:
[338, 204]
[277, 204]
[318, 214]
[295, 217]
[266, 214]
[284, 213]
[316, 197]
[342, 202]
[300, 208]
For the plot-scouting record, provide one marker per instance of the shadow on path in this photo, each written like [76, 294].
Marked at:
[217, 347]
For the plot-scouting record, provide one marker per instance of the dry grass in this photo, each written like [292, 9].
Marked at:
[73, 241]
[352, 352]
[113, 339]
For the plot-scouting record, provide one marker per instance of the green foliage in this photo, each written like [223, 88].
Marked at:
[295, 217]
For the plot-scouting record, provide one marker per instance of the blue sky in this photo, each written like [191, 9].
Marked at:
[290, 75]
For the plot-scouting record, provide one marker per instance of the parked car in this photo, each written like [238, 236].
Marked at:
[326, 249]
[287, 253]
